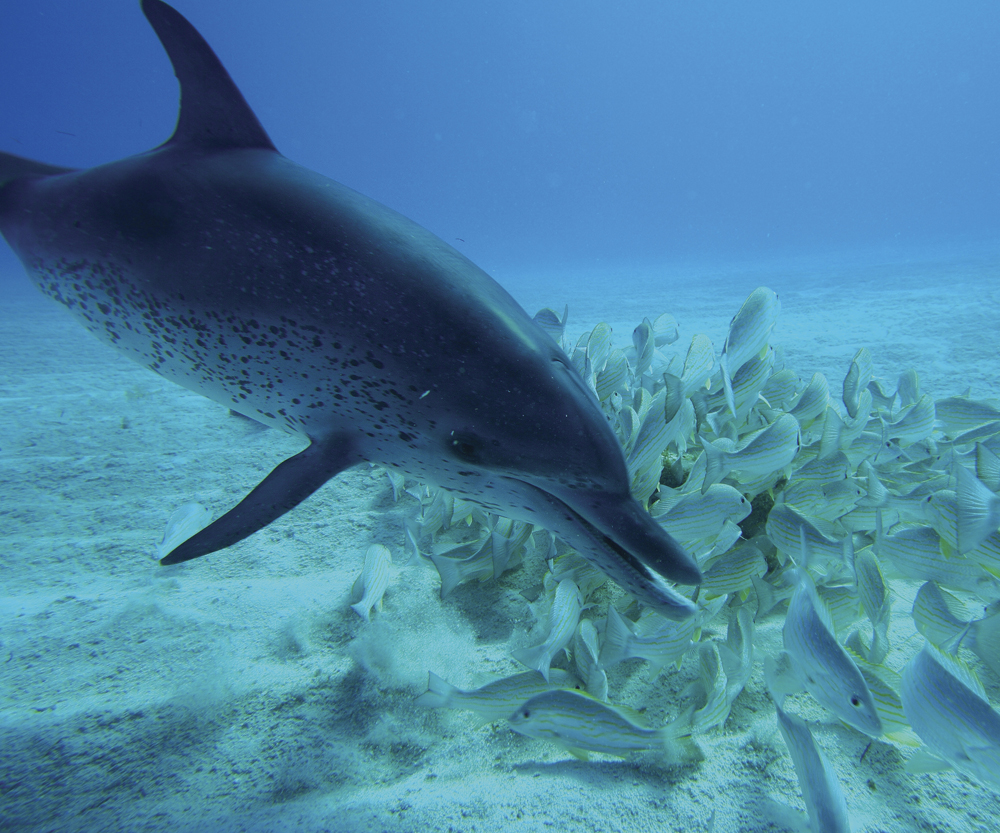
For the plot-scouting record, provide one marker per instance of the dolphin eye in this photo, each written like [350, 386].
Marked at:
[465, 447]
[855, 700]
[526, 713]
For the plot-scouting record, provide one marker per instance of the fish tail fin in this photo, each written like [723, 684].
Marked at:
[781, 678]
[617, 640]
[655, 667]
[715, 465]
[358, 589]
[923, 761]
[449, 571]
[848, 552]
[678, 743]
[765, 597]
[986, 643]
[879, 533]
[806, 556]
[978, 511]
[832, 436]
[17, 167]
[439, 694]
[537, 658]
[413, 537]
[727, 383]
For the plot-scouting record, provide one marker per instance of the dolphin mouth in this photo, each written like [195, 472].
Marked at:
[628, 531]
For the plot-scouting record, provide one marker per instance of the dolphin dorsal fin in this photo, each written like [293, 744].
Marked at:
[213, 112]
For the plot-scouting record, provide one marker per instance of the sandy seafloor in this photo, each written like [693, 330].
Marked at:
[239, 691]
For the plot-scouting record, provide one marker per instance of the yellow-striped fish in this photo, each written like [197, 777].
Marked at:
[813, 401]
[826, 670]
[585, 656]
[945, 622]
[958, 414]
[978, 511]
[653, 638]
[581, 724]
[563, 618]
[821, 791]
[733, 571]
[696, 516]
[769, 450]
[856, 384]
[749, 332]
[712, 682]
[785, 527]
[947, 707]
[495, 700]
[915, 423]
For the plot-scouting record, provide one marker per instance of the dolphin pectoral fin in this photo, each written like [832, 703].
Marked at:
[14, 167]
[288, 484]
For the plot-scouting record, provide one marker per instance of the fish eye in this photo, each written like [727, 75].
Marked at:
[526, 713]
[855, 700]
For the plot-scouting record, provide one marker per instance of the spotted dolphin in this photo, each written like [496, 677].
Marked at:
[296, 301]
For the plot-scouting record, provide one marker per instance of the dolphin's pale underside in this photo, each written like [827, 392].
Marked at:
[223, 266]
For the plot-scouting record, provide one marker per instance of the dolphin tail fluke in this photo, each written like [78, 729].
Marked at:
[15, 167]
[288, 484]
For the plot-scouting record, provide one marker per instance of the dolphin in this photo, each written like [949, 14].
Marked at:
[293, 300]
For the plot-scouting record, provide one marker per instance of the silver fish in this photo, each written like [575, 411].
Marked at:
[947, 707]
[373, 581]
[749, 332]
[581, 724]
[827, 670]
[821, 791]
[495, 700]
[563, 618]
[769, 450]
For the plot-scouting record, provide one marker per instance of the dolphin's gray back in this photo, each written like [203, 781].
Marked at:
[290, 298]
[337, 292]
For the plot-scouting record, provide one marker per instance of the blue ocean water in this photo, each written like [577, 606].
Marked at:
[568, 134]
[626, 159]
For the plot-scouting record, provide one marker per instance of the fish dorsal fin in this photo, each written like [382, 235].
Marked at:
[213, 112]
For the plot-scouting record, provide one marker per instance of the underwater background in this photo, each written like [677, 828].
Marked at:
[624, 159]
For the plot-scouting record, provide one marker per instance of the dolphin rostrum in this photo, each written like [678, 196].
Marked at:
[291, 299]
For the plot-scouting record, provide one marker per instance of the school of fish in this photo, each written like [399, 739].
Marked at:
[798, 501]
